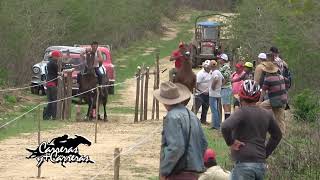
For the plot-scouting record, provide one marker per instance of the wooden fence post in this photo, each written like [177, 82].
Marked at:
[60, 94]
[137, 94]
[68, 93]
[97, 116]
[141, 93]
[116, 163]
[146, 86]
[39, 135]
[158, 82]
[154, 99]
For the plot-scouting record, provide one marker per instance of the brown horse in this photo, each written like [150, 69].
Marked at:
[186, 76]
[87, 82]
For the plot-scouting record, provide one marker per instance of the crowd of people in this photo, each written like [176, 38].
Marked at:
[259, 96]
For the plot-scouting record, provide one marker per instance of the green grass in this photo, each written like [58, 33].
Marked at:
[26, 124]
[217, 143]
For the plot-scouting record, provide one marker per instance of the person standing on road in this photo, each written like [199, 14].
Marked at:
[183, 140]
[178, 56]
[226, 91]
[52, 74]
[245, 132]
[202, 91]
[215, 95]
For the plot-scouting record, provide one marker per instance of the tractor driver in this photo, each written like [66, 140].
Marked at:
[178, 56]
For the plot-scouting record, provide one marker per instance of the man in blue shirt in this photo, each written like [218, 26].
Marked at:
[183, 140]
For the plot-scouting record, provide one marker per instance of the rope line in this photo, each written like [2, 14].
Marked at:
[131, 148]
[45, 103]
[27, 87]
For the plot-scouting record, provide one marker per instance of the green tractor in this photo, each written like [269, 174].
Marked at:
[207, 42]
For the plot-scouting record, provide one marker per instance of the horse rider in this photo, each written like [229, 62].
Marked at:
[178, 56]
[94, 60]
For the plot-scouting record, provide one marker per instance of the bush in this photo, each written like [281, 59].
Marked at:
[10, 99]
[306, 106]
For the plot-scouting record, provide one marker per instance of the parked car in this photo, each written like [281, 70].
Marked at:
[71, 55]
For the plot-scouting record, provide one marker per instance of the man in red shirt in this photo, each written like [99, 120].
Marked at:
[52, 75]
[178, 56]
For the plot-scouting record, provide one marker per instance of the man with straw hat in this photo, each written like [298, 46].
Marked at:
[183, 140]
[274, 85]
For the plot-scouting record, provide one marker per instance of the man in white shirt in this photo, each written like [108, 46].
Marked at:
[215, 94]
[202, 91]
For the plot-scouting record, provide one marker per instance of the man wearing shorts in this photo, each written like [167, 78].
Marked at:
[226, 91]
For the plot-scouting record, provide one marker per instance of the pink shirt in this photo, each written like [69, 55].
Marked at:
[236, 85]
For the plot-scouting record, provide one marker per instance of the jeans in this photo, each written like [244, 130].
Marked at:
[215, 118]
[248, 171]
[51, 110]
[202, 100]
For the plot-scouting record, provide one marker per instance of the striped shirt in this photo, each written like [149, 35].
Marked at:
[275, 84]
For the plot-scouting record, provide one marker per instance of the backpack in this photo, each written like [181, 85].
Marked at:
[287, 77]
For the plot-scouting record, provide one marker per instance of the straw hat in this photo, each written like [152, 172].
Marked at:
[269, 67]
[172, 93]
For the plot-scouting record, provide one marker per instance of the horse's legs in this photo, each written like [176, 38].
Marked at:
[105, 118]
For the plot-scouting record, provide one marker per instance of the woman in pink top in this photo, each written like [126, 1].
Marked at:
[236, 84]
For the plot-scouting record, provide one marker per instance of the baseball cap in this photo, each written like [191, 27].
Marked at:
[262, 56]
[224, 57]
[209, 154]
[56, 53]
[239, 65]
[248, 64]
[206, 63]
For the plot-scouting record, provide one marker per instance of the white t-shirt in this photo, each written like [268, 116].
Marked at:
[215, 75]
[215, 173]
[203, 80]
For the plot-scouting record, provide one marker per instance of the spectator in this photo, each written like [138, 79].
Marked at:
[52, 74]
[277, 60]
[274, 86]
[226, 92]
[236, 84]
[213, 172]
[245, 131]
[183, 140]
[248, 68]
[259, 73]
[215, 94]
[202, 92]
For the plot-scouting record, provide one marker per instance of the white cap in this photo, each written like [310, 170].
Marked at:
[206, 63]
[262, 56]
[224, 57]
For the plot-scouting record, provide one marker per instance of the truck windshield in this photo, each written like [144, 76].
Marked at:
[210, 33]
